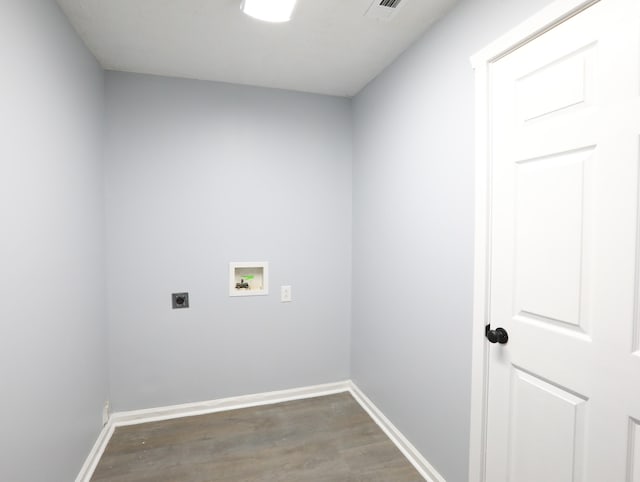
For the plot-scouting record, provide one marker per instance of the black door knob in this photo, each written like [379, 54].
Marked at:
[499, 335]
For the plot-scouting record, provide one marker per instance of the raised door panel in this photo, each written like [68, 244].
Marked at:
[564, 84]
[545, 445]
[550, 238]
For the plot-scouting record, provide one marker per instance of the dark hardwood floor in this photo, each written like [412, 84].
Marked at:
[324, 439]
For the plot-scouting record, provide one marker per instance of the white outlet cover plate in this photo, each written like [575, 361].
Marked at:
[285, 294]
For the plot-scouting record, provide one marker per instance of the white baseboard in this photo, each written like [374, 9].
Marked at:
[134, 417]
[94, 456]
[428, 472]
[121, 419]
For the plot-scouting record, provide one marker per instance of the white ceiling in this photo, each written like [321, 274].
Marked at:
[329, 47]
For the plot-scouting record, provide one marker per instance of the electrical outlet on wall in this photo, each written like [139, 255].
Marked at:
[105, 413]
[285, 294]
[179, 300]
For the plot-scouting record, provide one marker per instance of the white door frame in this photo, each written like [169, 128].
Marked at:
[546, 19]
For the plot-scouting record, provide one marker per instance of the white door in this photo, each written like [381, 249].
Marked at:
[564, 391]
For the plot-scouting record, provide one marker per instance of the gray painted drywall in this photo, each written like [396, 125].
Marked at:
[413, 232]
[53, 368]
[200, 174]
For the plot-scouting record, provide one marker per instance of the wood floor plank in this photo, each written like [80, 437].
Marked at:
[323, 439]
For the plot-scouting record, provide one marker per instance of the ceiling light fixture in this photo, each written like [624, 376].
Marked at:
[269, 10]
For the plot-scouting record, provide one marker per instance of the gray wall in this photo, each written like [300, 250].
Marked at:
[413, 232]
[53, 368]
[200, 174]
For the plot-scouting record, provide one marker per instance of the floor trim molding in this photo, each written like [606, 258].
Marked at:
[94, 456]
[134, 417]
[422, 465]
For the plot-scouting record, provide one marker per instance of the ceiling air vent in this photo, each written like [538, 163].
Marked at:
[383, 9]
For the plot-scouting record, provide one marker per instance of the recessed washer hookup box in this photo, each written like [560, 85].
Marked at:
[248, 278]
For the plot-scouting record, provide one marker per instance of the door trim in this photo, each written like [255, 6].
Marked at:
[548, 18]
